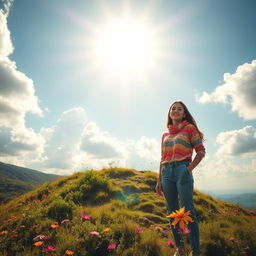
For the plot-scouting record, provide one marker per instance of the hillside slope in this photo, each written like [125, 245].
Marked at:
[15, 180]
[115, 212]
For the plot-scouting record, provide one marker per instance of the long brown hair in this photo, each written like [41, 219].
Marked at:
[188, 117]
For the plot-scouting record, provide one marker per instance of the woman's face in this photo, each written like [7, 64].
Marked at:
[177, 112]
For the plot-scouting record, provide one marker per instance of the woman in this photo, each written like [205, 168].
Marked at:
[175, 179]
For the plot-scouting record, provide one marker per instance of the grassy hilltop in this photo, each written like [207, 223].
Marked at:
[84, 213]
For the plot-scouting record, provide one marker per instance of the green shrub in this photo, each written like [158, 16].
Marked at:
[94, 188]
[59, 210]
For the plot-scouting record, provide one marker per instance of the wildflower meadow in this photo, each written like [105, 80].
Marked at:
[116, 211]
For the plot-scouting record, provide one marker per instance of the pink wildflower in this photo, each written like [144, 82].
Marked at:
[111, 247]
[235, 211]
[85, 216]
[184, 231]
[138, 230]
[50, 248]
[94, 233]
[64, 221]
[41, 237]
[170, 243]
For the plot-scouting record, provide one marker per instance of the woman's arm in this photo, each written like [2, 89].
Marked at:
[199, 156]
[159, 189]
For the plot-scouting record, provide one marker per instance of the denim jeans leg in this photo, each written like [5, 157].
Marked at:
[185, 185]
[171, 198]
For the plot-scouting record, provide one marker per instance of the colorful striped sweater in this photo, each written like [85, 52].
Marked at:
[179, 142]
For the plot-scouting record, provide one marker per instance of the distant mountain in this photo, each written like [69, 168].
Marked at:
[15, 180]
[246, 200]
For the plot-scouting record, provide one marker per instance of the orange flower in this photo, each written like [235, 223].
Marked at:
[68, 252]
[54, 225]
[4, 232]
[181, 217]
[106, 229]
[37, 244]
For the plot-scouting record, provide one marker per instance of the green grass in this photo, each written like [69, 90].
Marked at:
[122, 200]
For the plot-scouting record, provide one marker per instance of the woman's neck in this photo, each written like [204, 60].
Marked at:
[176, 122]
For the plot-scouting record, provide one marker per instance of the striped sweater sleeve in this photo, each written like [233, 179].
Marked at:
[196, 140]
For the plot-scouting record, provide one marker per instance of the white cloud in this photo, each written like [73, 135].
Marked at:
[100, 144]
[19, 142]
[239, 90]
[74, 144]
[62, 140]
[17, 97]
[143, 154]
[5, 36]
[220, 173]
[237, 142]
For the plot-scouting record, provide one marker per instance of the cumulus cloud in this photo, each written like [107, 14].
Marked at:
[239, 90]
[17, 97]
[144, 153]
[100, 144]
[75, 144]
[237, 142]
[62, 140]
[5, 36]
[221, 173]
[16, 143]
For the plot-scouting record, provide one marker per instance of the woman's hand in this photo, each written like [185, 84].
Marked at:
[159, 189]
[190, 169]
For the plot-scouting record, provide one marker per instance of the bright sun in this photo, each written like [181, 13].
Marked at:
[125, 46]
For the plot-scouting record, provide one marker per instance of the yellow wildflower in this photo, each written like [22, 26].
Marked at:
[106, 229]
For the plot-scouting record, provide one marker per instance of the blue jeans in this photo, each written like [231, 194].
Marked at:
[177, 184]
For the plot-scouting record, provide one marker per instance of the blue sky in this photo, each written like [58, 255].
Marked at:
[70, 100]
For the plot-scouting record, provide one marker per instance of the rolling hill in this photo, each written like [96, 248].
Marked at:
[115, 211]
[15, 180]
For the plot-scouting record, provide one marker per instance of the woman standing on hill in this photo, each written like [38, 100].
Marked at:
[175, 179]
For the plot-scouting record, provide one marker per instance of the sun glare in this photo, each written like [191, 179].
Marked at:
[126, 47]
